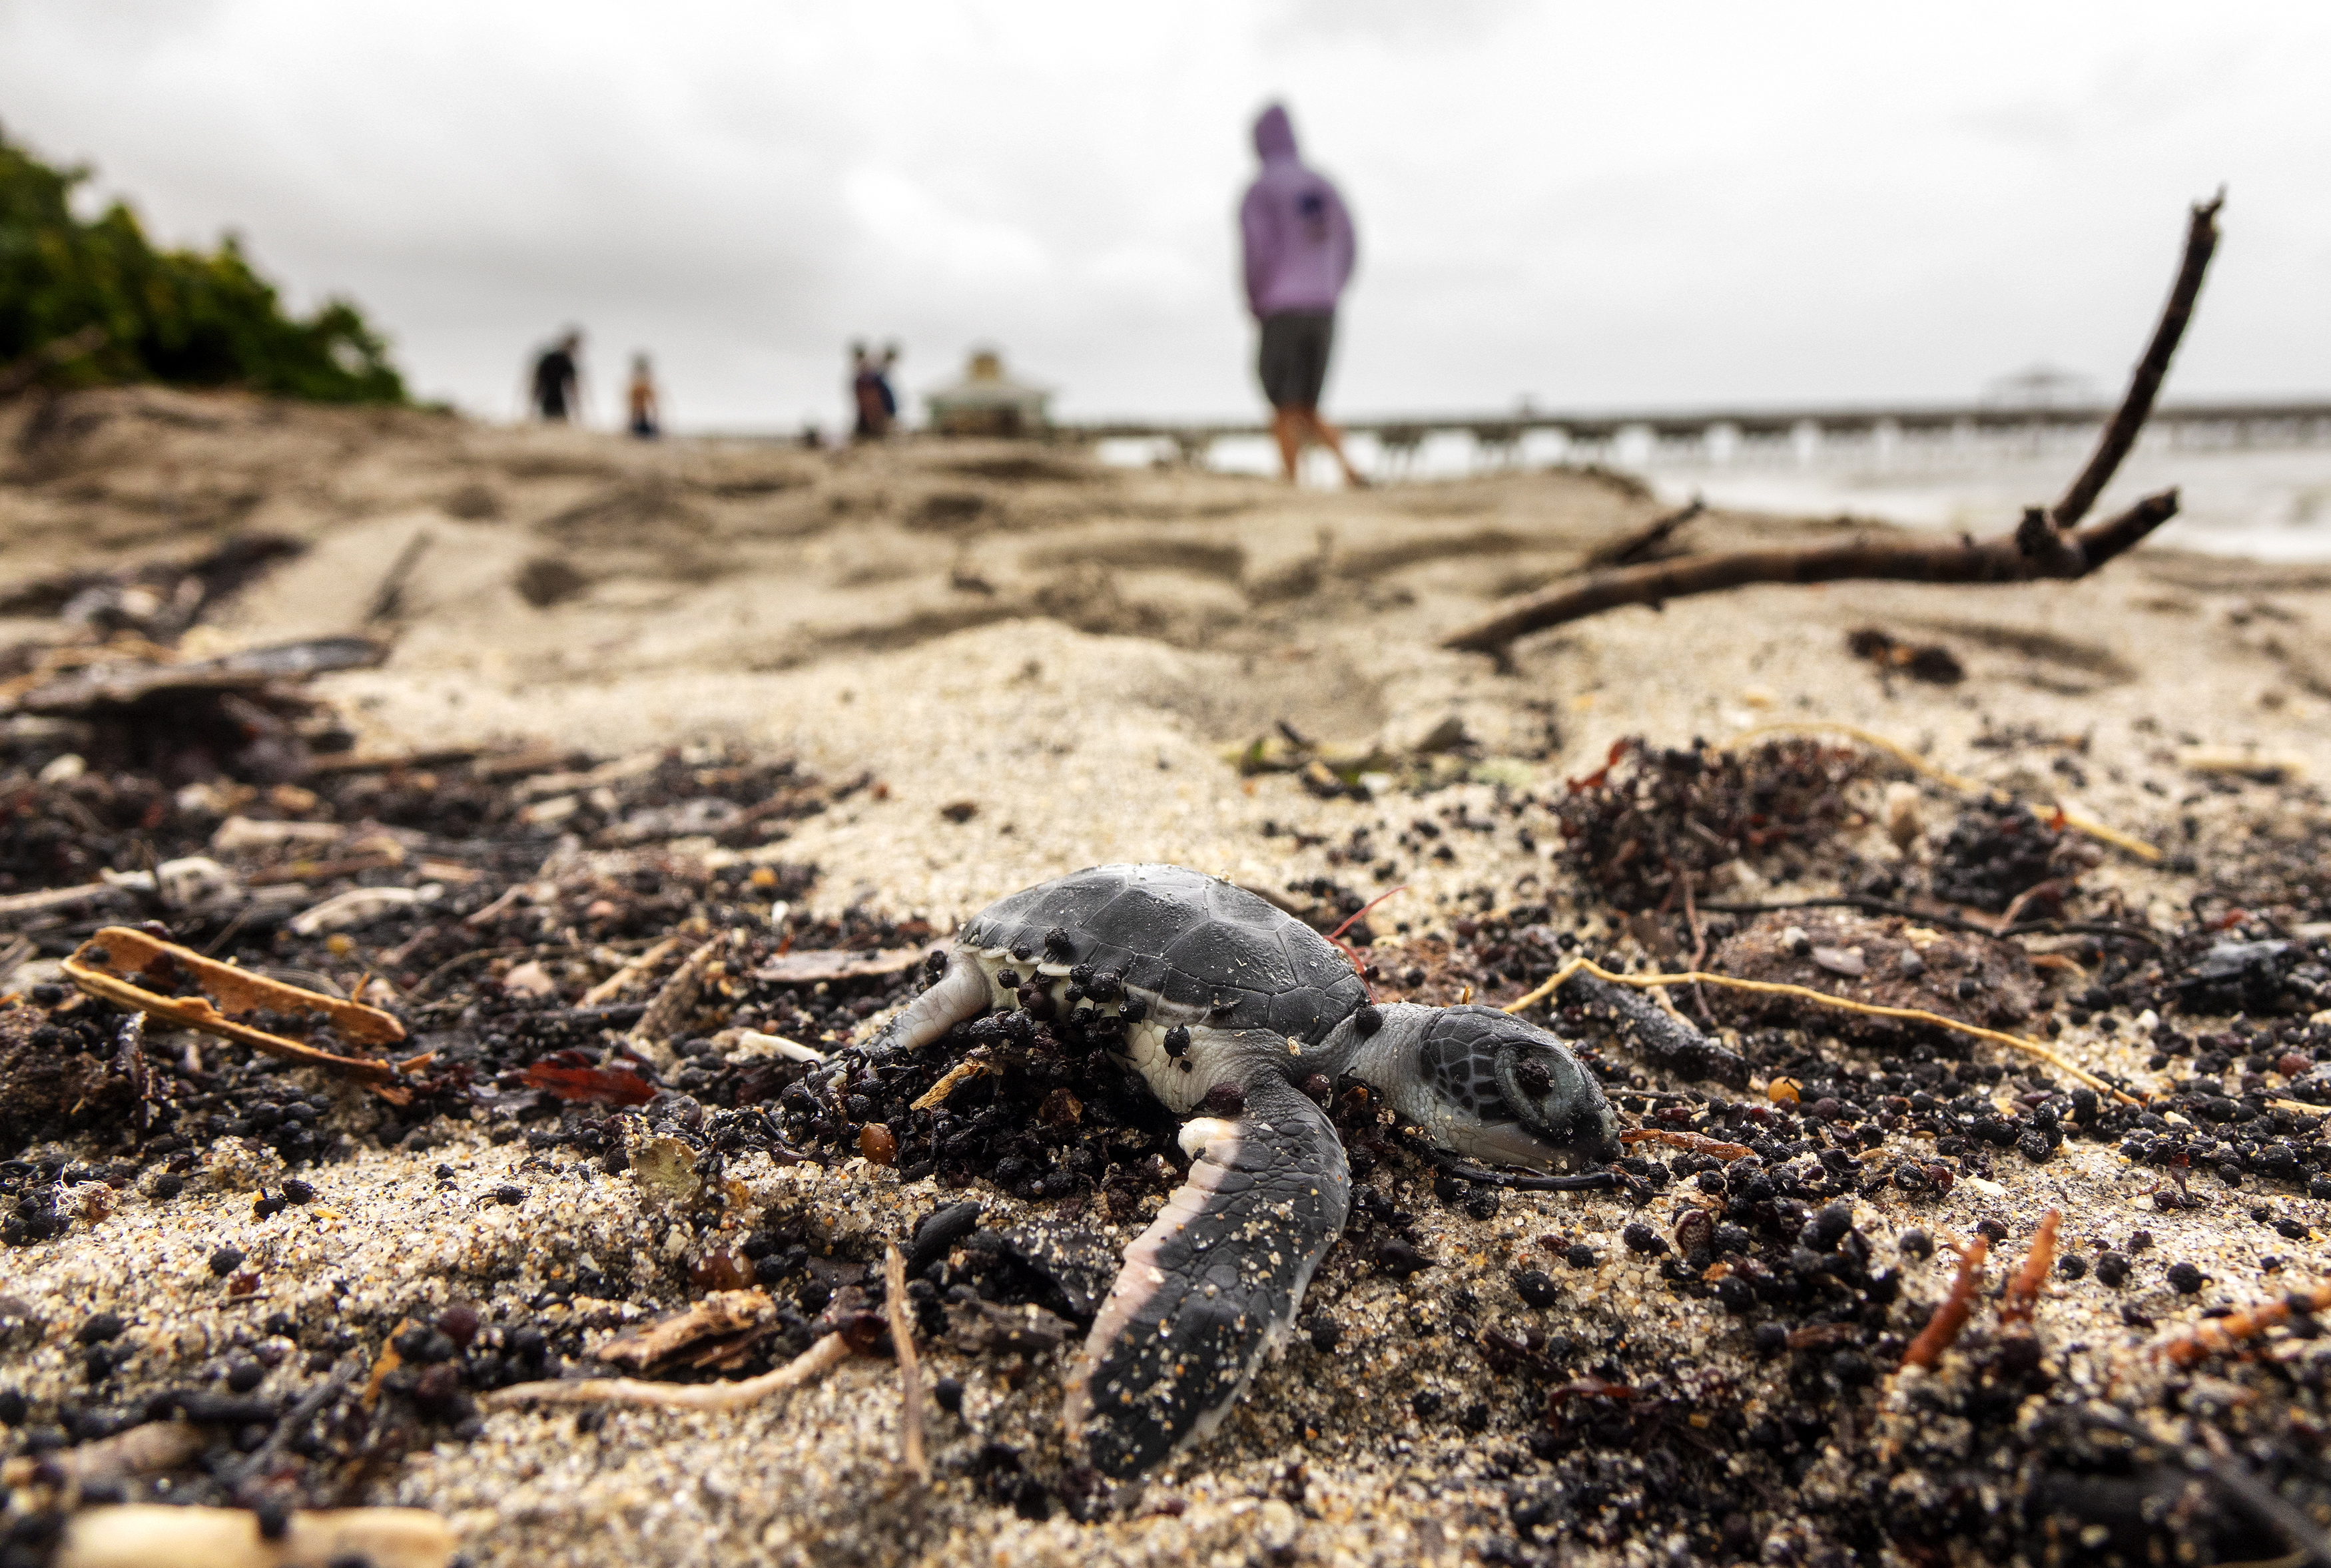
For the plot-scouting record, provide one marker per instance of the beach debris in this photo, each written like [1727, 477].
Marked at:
[142, 1535]
[753, 1042]
[666, 1167]
[1654, 541]
[1650, 822]
[716, 1331]
[910, 1371]
[2023, 1296]
[1892, 960]
[2030, 1047]
[127, 967]
[144, 1449]
[571, 1075]
[1224, 1003]
[240, 715]
[651, 1036]
[1942, 1330]
[2046, 543]
[360, 907]
[822, 1357]
[808, 969]
[1927, 662]
[2214, 1336]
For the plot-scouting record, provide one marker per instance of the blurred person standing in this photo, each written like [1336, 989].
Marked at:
[868, 405]
[1299, 251]
[558, 388]
[647, 412]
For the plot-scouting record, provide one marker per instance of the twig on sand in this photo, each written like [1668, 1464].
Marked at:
[1628, 549]
[2210, 1336]
[2023, 1291]
[910, 1371]
[808, 1366]
[1698, 1142]
[1778, 988]
[2044, 544]
[1942, 1330]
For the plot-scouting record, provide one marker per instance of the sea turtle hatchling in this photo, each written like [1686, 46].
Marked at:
[1225, 1005]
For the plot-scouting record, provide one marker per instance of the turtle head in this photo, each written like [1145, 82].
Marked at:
[1485, 1085]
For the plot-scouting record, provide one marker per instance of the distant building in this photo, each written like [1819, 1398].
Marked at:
[987, 402]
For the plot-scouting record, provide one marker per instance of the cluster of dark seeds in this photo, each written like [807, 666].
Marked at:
[1649, 820]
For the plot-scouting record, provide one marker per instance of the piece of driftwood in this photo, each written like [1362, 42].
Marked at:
[1647, 543]
[2046, 543]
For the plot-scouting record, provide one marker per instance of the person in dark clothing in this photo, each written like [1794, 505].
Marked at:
[867, 404]
[647, 409]
[558, 380]
[1300, 250]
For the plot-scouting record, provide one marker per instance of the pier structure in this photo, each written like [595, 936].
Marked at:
[1914, 435]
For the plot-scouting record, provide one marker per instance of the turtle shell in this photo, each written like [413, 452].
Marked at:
[1193, 941]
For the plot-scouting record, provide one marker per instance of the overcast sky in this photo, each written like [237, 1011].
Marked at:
[1594, 205]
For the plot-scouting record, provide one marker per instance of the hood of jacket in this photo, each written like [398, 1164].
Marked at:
[1274, 135]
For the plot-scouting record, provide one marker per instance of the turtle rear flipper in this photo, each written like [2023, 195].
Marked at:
[1214, 1282]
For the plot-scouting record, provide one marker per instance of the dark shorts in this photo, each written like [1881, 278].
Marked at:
[1294, 359]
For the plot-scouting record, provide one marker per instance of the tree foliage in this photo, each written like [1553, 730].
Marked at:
[175, 316]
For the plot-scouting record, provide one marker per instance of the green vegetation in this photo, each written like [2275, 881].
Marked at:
[180, 317]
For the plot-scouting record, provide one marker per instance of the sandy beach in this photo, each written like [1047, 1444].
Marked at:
[1040, 662]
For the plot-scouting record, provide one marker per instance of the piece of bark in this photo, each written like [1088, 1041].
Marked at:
[104, 965]
[717, 1316]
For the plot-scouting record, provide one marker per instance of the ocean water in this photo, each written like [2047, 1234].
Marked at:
[2270, 503]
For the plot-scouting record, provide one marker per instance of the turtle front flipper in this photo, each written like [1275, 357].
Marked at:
[960, 992]
[1214, 1282]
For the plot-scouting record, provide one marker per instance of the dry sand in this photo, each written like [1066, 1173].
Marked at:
[1074, 650]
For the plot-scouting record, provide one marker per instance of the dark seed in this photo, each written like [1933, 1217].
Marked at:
[100, 1327]
[273, 1519]
[947, 1393]
[242, 1376]
[1226, 1100]
[1579, 1256]
[459, 1324]
[2184, 1279]
[1325, 1336]
[1536, 1288]
[1058, 943]
[2112, 1268]
[298, 1192]
[1177, 1041]
[226, 1261]
[1366, 1021]
[1641, 1238]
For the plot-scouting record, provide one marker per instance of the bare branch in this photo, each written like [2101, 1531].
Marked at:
[2043, 544]
[1999, 560]
[2137, 405]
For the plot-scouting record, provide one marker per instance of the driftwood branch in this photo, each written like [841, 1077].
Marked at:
[2044, 544]
[2136, 407]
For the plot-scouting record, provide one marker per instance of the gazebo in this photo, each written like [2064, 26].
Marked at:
[987, 402]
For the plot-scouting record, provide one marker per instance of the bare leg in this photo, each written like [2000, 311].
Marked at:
[1328, 436]
[1285, 429]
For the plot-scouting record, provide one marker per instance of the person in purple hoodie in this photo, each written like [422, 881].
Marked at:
[1299, 252]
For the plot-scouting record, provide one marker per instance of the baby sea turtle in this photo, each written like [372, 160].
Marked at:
[1225, 1005]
